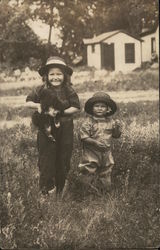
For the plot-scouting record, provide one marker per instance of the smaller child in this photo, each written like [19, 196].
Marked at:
[96, 134]
[51, 108]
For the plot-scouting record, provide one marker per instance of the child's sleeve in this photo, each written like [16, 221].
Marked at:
[73, 98]
[85, 130]
[116, 129]
[34, 96]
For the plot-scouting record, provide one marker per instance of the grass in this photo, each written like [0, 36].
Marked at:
[16, 91]
[143, 80]
[87, 81]
[127, 217]
[147, 111]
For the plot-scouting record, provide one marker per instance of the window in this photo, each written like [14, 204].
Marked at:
[153, 44]
[93, 48]
[129, 53]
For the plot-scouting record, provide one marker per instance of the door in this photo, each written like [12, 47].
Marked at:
[107, 56]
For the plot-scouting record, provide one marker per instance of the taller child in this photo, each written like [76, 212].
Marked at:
[54, 157]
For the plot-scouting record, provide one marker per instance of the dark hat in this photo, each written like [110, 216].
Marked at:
[55, 61]
[100, 97]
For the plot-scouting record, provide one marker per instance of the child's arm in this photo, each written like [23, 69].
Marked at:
[33, 99]
[73, 101]
[71, 110]
[116, 129]
[33, 105]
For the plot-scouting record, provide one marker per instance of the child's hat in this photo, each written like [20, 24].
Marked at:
[56, 62]
[100, 97]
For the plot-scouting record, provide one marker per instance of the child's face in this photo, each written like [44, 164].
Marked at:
[100, 109]
[55, 76]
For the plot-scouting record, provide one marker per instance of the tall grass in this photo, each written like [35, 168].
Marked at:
[143, 80]
[127, 217]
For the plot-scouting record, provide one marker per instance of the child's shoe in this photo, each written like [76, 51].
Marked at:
[52, 191]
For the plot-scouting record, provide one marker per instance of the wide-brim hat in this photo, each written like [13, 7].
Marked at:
[100, 97]
[55, 61]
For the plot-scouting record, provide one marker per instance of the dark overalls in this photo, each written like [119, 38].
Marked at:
[54, 157]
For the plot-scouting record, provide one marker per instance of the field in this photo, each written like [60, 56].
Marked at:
[127, 217]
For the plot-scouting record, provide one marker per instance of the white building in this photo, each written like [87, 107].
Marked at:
[116, 50]
[150, 46]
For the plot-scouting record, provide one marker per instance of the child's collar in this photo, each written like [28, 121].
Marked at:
[54, 87]
[100, 118]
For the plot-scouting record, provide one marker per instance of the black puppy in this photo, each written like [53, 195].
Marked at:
[49, 103]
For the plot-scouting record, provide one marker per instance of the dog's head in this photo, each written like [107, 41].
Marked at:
[49, 99]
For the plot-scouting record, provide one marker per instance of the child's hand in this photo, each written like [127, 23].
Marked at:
[39, 109]
[116, 124]
[52, 112]
[117, 129]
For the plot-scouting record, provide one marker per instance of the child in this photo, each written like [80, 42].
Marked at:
[96, 134]
[54, 158]
[51, 108]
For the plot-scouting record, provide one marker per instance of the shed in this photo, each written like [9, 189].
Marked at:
[150, 46]
[115, 50]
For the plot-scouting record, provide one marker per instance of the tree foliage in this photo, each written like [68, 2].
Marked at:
[76, 19]
[17, 41]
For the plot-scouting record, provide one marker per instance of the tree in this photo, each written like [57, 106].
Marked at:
[75, 25]
[46, 11]
[70, 16]
[17, 42]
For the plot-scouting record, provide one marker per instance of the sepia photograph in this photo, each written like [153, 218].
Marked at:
[79, 124]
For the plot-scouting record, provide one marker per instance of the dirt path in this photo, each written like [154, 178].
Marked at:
[120, 96]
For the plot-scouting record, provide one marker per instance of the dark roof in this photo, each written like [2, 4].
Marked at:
[100, 38]
[148, 31]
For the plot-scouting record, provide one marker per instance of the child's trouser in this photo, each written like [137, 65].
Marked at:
[96, 163]
[103, 174]
[54, 158]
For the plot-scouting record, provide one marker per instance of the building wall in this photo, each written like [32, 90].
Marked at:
[146, 47]
[93, 58]
[119, 41]
[157, 42]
